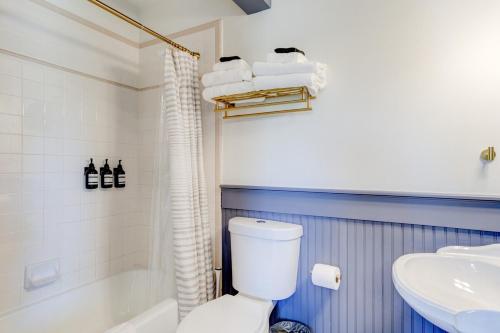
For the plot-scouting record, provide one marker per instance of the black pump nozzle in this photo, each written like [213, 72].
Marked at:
[119, 167]
[91, 166]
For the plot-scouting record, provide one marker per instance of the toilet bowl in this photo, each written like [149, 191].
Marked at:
[229, 314]
[265, 256]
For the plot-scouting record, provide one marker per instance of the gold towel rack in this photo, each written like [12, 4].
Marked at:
[271, 98]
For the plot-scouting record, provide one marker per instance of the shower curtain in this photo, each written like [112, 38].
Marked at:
[180, 208]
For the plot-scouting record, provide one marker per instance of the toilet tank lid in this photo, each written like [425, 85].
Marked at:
[264, 229]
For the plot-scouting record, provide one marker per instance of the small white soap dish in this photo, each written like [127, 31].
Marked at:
[41, 274]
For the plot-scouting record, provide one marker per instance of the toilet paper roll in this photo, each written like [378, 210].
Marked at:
[326, 276]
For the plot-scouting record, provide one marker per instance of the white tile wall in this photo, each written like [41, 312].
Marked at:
[51, 123]
[150, 106]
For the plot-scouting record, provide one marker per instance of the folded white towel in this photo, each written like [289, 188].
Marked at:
[233, 64]
[293, 57]
[313, 82]
[269, 68]
[225, 77]
[227, 89]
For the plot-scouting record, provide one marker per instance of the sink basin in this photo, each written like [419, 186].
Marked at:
[456, 289]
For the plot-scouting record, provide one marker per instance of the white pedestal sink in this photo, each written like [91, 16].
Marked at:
[456, 289]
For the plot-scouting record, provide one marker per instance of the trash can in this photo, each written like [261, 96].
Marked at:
[288, 326]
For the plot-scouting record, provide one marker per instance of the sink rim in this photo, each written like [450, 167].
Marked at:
[431, 308]
[399, 284]
[398, 267]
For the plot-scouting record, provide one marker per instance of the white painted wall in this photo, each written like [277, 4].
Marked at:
[413, 98]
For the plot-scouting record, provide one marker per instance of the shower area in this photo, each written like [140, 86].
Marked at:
[82, 80]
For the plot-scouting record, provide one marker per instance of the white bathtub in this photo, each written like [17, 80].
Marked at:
[115, 304]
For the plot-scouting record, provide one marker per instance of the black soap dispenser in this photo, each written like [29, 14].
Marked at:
[119, 175]
[91, 176]
[106, 176]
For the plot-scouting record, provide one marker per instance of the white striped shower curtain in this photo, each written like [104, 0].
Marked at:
[182, 214]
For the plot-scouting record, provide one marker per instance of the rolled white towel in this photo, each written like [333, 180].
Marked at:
[313, 82]
[224, 77]
[293, 57]
[227, 89]
[270, 68]
[233, 64]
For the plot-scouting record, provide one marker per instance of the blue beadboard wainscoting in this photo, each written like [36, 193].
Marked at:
[364, 248]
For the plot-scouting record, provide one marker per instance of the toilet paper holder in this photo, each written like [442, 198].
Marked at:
[327, 276]
[338, 278]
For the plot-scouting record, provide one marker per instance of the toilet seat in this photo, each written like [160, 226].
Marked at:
[229, 314]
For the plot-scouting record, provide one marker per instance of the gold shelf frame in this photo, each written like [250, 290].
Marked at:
[142, 27]
[227, 104]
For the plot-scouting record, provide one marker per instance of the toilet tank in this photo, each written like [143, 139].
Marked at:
[264, 257]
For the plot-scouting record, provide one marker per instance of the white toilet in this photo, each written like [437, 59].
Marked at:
[265, 257]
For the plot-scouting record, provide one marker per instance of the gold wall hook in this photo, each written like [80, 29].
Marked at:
[488, 154]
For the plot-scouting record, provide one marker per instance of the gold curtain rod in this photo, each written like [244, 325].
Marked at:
[139, 25]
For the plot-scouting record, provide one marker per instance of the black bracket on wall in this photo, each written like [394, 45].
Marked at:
[253, 6]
